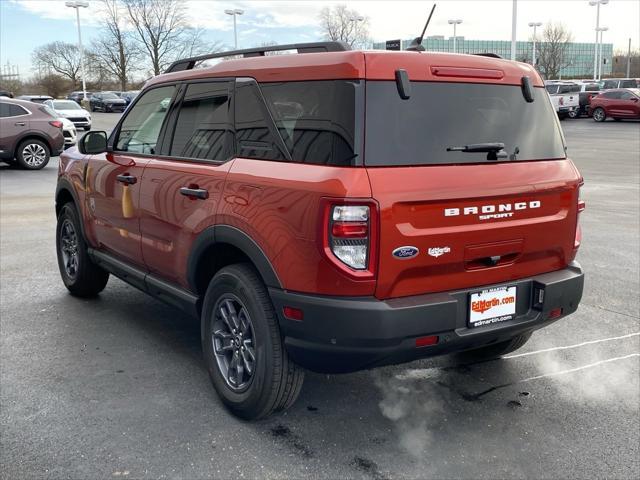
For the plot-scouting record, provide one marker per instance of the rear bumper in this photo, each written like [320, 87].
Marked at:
[341, 334]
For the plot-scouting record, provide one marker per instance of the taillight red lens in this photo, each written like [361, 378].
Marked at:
[350, 229]
[56, 123]
[581, 206]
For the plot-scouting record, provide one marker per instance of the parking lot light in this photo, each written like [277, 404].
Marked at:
[601, 30]
[535, 25]
[234, 13]
[455, 23]
[597, 4]
[78, 4]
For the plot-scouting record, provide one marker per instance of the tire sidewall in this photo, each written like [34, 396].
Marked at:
[21, 148]
[69, 212]
[231, 280]
[603, 118]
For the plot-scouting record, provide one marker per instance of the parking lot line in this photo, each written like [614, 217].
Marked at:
[577, 369]
[567, 347]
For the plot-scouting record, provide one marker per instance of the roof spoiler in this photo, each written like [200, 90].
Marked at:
[315, 47]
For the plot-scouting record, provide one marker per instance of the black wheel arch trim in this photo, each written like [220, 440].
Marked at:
[38, 136]
[227, 234]
[65, 185]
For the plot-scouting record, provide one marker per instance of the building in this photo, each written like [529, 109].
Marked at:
[579, 55]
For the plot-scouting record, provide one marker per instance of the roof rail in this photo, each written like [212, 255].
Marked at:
[491, 55]
[315, 47]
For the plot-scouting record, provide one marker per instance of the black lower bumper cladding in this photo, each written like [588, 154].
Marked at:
[346, 334]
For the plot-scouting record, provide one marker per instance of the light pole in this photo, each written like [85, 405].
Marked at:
[235, 12]
[597, 3]
[455, 23]
[600, 29]
[355, 21]
[514, 21]
[78, 5]
[535, 25]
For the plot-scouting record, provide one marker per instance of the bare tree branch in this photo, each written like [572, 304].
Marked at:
[59, 57]
[552, 53]
[341, 24]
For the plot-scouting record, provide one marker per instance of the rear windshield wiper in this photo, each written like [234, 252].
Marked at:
[494, 150]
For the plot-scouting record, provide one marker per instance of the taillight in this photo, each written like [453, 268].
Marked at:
[56, 123]
[561, 101]
[581, 206]
[350, 235]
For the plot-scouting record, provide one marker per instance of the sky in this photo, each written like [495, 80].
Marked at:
[27, 24]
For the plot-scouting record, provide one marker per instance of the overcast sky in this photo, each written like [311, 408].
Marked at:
[26, 24]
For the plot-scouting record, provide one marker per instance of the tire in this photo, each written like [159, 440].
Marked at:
[33, 154]
[92, 108]
[599, 115]
[573, 114]
[496, 350]
[80, 275]
[269, 383]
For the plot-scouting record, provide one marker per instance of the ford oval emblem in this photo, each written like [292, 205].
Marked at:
[403, 253]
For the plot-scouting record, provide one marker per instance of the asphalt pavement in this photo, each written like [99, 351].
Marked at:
[115, 387]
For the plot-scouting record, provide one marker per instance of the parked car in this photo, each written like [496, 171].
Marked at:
[107, 102]
[310, 225]
[29, 134]
[35, 98]
[6, 93]
[617, 104]
[129, 96]
[77, 96]
[588, 90]
[611, 83]
[71, 110]
[565, 97]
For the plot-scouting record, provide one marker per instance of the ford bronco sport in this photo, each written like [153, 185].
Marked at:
[331, 210]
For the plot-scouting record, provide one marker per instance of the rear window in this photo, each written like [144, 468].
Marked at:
[438, 116]
[628, 83]
[592, 87]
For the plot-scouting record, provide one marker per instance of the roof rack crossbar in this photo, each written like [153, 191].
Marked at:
[314, 47]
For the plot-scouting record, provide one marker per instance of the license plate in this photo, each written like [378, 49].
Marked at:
[492, 305]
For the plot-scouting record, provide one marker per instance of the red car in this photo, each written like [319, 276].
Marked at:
[331, 210]
[617, 104]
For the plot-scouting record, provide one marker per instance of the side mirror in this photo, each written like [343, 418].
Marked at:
[93, 143]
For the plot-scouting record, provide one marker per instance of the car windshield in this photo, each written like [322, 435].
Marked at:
[439, 115]
[109, 95]
[66, 105]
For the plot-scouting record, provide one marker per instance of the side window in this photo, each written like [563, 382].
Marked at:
[204, 128]
[628, 84]
[5, 110]
[253, 135]
[316, 119]
[140, 129]
[11, 110]
[611, 95]
[626, 96]
[610, 84]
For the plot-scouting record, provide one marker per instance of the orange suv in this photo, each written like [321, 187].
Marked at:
[331, 210]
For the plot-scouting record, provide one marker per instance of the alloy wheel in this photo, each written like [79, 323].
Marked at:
[69, 248]
[34, 154]
[598, 115]
[233, 342]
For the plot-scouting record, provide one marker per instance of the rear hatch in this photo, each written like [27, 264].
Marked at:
[468, 218]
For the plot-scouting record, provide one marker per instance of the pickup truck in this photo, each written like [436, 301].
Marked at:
[565, 97]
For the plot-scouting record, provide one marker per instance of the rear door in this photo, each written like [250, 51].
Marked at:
[14, 120]
[472, 220]
[181, 188]
[114, 178]
[628, 105]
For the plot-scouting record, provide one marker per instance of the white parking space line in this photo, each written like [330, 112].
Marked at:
[577, 369]
[567, 347]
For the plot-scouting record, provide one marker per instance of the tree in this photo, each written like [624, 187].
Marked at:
[620, 64]
[341, 24]
[115, 50]
[552, 50]
[162, 30]
[59, 57]
[54, 85]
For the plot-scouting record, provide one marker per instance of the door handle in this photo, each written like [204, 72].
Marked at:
[127, 179]
[196, 192]
[19, 124]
